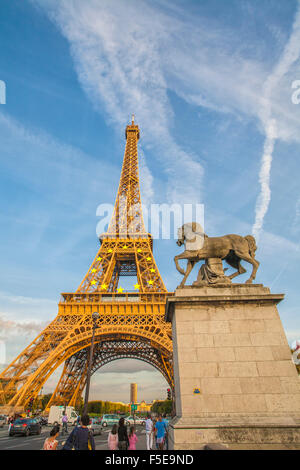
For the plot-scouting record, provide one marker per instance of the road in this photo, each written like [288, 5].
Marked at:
[35, 442]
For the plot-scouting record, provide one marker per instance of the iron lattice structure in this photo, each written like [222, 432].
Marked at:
[130, 324]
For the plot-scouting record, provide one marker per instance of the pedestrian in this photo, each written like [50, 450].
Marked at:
[166, 440]
[154, 433]
[52, 442]
[113, 438]
[64, 420]
[10, 421]
[132, 439]
[122, 435]
[149, 432]
[81, 438]
[160, 430]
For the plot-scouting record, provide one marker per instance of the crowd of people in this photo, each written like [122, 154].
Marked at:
[81, 438]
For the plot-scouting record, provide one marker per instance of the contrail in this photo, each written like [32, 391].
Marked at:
[289, 56]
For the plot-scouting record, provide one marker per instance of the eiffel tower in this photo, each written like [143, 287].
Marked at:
[131, 323]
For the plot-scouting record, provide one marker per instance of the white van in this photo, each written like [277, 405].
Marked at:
[56, 413]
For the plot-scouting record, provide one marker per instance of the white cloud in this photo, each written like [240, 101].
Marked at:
[26, 309]
[117, 52]
[268, 113]
[129, 55]
[52, 165]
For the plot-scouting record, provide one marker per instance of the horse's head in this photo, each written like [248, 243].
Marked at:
[180, 236]
[191, 234]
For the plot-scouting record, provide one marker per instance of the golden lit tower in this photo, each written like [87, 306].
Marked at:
[131, 324]
[133, 393]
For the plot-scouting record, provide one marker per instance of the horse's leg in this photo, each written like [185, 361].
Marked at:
[241, 270]
[176, 258]
[235, 263]
[189, 267]
[254, 262]
[237, 273]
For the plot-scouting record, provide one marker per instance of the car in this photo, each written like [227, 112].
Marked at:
[95, 426]
[109, 420]
[130, 420]
[41, 420]
[25, 426]
[44, 421]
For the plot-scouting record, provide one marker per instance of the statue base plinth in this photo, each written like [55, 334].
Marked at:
[235, 382]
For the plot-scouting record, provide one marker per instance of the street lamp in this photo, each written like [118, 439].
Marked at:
[95, 317]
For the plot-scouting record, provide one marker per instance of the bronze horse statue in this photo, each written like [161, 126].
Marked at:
[231, 248]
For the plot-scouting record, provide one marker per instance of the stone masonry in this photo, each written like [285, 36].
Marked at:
[230, 344]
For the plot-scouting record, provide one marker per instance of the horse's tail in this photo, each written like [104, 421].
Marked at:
[252, 244]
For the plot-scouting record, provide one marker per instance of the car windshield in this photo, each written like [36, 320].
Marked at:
[21, 421]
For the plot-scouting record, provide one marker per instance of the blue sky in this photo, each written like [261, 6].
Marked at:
[210, 83]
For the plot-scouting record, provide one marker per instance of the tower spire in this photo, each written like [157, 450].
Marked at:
[126, 247]
[127, 217]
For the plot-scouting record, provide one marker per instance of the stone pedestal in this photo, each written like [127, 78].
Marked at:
[235, 382]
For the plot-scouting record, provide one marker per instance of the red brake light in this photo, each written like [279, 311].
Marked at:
[24, 424]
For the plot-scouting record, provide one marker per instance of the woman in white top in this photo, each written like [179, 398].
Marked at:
[52, 442]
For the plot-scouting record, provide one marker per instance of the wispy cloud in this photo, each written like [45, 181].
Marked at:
[25, 310]
[290, 55]
[117, 51]
[128, 57]
[9, 326]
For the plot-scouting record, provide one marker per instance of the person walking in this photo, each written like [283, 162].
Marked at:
[81, 438]
[149, 432]
[154, 433]
[160, 430]
[113, 438]
[52, 442]
[64, 420]
[132, 439]
[166, 440]
[10, 422]
[122, 435]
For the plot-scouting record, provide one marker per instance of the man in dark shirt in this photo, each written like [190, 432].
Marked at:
[122, 435]
[81, 437]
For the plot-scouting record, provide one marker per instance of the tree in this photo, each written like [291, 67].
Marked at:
[162, 406]
[45, 400]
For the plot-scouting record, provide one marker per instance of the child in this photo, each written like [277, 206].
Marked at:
[113, 438]
[51, 442]
[132, 439]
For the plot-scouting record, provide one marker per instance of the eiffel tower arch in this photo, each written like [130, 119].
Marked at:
[131, 323]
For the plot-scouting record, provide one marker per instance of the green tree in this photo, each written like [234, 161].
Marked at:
[162, 406]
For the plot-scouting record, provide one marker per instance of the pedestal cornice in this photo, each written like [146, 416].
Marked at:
[218, 295]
